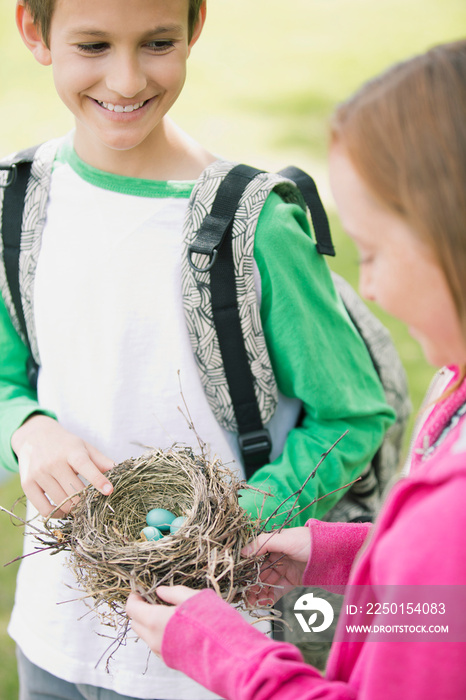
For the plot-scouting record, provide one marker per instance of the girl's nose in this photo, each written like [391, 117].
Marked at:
[126, 77]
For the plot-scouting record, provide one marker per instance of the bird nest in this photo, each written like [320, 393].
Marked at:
[108, 557]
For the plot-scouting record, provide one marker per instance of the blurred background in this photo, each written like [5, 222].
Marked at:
[262, 82]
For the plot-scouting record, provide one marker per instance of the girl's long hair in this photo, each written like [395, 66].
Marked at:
[405, 133]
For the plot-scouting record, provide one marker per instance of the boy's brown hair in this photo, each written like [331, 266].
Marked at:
[405, 134]
[42, 11]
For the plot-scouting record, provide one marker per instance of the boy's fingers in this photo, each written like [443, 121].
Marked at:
[72, 486]
[40, 501]
[83, 465]
[101, 460]
[62, 493]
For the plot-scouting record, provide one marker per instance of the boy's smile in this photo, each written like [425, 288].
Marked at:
[119, 108]
[119, 67]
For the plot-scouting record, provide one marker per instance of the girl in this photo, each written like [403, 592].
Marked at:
[398, 174]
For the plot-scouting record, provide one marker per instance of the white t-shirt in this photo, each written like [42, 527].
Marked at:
[114, 349]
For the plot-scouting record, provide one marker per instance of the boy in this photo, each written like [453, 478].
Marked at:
[111, 332]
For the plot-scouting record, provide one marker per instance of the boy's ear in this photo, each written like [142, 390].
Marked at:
[31, 35]
[199, 24]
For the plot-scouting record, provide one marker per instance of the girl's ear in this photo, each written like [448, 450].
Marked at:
[31, 35]
[199, 25]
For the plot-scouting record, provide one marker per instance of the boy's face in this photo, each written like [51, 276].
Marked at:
[118, 66]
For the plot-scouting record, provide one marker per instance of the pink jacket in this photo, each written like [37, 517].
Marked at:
[418, 541]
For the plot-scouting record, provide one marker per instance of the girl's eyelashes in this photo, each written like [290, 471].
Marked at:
[364, 258]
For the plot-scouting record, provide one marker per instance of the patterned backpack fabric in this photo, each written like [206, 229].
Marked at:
[362, 501]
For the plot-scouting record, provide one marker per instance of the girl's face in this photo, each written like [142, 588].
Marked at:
[397, 270]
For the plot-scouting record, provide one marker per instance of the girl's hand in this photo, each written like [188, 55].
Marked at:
[149, 620]
[50, 462]
[288, 554]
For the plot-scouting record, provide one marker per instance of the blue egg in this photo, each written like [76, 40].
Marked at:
[176, 524]
[151, 534]
[160, 518]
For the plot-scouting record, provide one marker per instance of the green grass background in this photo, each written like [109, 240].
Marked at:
[262, 82]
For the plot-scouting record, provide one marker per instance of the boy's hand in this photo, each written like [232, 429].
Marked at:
[149, 620]
[50, 460]
[288, 554]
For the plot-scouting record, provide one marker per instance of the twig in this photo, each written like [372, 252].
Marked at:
[24, 522]
[322, 497]
[65, 500]
[301, 489]
[190, 422]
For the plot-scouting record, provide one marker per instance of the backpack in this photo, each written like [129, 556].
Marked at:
[219, 298]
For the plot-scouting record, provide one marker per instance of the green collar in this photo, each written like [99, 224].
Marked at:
[120, 183]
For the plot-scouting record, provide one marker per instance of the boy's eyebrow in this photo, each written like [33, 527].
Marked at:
[100, 34]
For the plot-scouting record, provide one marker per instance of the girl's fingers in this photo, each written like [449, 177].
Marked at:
[268, 542]
[149, 621]
[256, 546]
[294, 542]
[135, 605]
[264, 597]
[175, 594]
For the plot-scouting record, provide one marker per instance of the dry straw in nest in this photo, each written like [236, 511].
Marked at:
[110, 560]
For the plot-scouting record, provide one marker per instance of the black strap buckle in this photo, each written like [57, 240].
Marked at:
[12, 170]
[255, 442]
[212, 257]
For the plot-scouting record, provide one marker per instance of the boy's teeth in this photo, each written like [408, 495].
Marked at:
[119, 108]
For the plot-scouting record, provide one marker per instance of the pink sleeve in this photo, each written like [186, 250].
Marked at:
[419, 555]
[209, 641]
[334, 547]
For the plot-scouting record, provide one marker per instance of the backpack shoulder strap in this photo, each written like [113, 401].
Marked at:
[24, 185]
[214, 240]
[215, 226]
[211, 260]
[308, 189]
